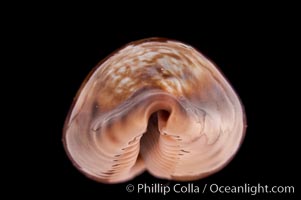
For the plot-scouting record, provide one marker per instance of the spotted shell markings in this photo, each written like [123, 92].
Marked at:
[155, 105]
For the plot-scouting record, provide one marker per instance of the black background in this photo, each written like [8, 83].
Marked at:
[255, 57]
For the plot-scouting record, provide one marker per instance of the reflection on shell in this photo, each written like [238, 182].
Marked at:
[155, 105]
